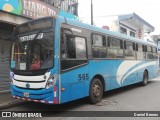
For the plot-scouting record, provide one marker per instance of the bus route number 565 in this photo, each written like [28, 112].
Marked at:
[83, 77]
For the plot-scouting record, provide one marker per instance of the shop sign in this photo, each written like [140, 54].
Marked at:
[28, 8]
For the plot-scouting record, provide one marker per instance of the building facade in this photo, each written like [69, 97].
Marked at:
[130, 24]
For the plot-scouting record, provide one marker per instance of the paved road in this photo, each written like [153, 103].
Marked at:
[131, 98]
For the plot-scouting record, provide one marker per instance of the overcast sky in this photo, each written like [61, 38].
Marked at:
[149, 10]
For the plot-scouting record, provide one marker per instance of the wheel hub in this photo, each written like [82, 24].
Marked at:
[96, 91]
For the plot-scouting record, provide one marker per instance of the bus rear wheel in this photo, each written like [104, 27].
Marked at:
[145, 78]
[96, 91]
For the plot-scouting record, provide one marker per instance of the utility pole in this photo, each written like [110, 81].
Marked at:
[91, 13]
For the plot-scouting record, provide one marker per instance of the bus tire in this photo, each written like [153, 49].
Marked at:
[95, 91]
[145, 78]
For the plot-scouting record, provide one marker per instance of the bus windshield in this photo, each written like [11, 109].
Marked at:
[33, 51]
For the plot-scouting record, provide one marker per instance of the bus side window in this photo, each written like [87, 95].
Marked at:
[73, 51]
[99, 46]
[121, 44]
[68, 46]
[140, 51]
[154, 52]
[129, 50]
[73, 47]
[80, 48]
[63, 46]
[115, 48]
[144, 51]
[149, 53]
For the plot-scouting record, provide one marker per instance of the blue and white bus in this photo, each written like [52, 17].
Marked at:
[56, 60]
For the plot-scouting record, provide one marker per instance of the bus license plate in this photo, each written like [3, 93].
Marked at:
[26, 94]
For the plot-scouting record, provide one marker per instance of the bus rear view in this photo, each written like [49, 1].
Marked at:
[33, 73]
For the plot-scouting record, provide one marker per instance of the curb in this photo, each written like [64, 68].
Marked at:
[10, 104]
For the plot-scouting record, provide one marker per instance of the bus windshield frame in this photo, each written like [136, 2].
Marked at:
[37, 47]
[47, 22]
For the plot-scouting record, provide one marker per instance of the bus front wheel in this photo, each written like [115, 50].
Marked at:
[96, 91]
[145, 78]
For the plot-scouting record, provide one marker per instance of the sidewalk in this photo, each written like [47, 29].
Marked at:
[6, 101]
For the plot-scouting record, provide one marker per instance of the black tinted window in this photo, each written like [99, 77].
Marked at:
[140, 51]
[129, 50]
[80, 47]
[115, 48]
[73, 47]
[98, 46]
[149, 53]
[149, 49]
[98, 40]
[70, 45]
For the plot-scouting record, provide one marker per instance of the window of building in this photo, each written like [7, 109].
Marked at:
[123, 30]
[99, 46]
[115, 48]
[133, 34]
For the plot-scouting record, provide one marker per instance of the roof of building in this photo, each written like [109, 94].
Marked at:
[135, 17]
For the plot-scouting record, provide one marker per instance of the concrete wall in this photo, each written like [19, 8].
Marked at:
[11, 18]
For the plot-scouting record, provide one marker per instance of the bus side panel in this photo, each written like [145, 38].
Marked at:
[107, 69]
[145, 65]
[116, 73]
[65, 94]
[131, 79]
[150, 66]
[74, 83]
[153, 72]
[155, 69]
[136, 71]
[123, 75]
[140, 70]
[77, 90]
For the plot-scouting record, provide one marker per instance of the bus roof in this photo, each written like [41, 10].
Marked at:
[101, 30]
[94, 28]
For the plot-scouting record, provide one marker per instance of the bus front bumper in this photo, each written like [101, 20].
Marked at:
[48, 96]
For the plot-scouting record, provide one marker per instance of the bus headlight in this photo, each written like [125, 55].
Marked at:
[51, 81]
